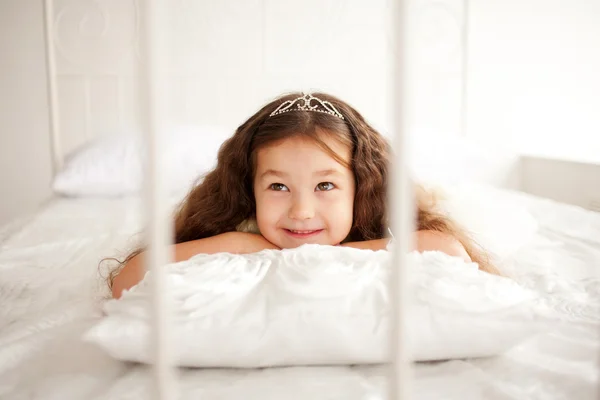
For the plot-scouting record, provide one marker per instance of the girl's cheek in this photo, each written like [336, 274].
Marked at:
[329, 197]
[271, 207]
[274, 202]
[337, 198]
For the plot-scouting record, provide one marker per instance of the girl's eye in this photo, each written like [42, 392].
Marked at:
[325, 186]
[278, 187]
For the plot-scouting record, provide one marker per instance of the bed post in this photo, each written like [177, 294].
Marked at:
[53, 107]
[464, 69]
[158, 219]
[401, 207]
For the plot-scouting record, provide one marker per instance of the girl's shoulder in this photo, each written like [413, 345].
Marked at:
[427, 240]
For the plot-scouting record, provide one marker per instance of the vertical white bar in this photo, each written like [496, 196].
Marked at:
[53, 107]
[401, 206]
[464, 51]
[158, 218]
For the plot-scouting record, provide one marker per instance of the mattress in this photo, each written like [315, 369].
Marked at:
[51, 290]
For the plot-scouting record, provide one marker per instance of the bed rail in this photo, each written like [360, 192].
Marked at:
[400, 206]
[53, 104]
[153, 72]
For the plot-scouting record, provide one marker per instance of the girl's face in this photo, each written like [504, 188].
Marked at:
[303, 195]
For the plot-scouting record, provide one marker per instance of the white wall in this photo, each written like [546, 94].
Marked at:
[25, 160]
[229, 57]
[534, 88]
[534, 80]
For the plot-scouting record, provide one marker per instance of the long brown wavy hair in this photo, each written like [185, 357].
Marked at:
[224, 198]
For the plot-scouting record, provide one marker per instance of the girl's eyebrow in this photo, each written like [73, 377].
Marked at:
[274, 172]
[327, 172]
[281, 174]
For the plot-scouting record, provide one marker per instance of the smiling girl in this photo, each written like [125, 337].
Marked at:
[306, 168]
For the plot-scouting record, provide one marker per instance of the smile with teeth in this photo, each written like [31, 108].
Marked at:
[302, 233]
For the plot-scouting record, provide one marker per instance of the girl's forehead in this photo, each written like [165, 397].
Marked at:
[301, 145]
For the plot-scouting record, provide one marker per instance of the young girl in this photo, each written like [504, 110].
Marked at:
[303, 169]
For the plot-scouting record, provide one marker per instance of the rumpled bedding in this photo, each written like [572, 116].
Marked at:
[52, 293]
[320, 305]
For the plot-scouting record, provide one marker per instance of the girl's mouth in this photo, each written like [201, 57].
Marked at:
[303, 234]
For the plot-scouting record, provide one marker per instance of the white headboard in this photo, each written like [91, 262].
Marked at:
[229, 57]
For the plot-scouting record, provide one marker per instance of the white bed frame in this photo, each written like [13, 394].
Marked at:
[74, 102]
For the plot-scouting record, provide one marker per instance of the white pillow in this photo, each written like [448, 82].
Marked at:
[495, 218]
[318, 305]
[112, 165]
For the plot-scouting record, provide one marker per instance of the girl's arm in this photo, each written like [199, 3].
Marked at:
[231, 242]
[423, 241]
[377, 244]
[438, 241]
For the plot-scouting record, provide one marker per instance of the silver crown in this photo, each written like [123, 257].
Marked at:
[304, 103]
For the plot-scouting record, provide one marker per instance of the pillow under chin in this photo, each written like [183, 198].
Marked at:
[317, 305]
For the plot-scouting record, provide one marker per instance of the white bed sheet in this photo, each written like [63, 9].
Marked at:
[50, 293]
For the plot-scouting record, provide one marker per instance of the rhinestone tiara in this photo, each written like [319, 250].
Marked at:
[308, 102]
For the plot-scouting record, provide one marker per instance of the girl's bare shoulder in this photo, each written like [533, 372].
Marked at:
[427, 240]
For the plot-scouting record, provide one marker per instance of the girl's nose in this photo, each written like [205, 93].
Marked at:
[302, 208]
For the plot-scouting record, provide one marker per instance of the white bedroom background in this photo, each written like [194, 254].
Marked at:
[534, 88]
[530, 89]
[229, 57]
[25, 160]
[533, 76]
